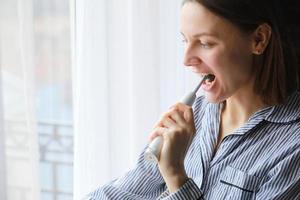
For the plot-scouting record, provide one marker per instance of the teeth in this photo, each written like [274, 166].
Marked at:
[208, 82]
[203, 75]
[209, 78]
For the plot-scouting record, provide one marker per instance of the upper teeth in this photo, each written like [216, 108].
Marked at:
[210, 77]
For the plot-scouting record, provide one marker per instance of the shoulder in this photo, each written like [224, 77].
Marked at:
[287, 113]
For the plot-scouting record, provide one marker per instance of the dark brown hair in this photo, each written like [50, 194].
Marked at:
[280, 74]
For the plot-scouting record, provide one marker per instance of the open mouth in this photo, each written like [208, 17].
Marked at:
[209, 78]
[208, 82]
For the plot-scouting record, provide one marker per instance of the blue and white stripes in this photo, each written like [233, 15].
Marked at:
[260, 160]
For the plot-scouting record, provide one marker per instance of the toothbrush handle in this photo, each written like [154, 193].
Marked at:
[153, 151]
[189, 99]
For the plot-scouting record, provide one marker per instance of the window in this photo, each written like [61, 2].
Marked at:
[52, 59]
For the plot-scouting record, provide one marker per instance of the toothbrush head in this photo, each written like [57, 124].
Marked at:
[209, 77]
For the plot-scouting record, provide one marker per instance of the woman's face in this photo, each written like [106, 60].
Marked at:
[215, 46]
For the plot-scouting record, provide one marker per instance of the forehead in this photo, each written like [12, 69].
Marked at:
[196, 19]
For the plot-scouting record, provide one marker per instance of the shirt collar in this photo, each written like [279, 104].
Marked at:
[287, 112]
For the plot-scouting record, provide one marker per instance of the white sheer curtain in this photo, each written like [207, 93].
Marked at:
[127, 71]
[2, 149]
[19, 146]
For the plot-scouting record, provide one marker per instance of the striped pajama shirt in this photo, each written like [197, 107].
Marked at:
[260, 160]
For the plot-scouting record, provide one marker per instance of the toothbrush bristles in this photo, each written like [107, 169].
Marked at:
[209, 77]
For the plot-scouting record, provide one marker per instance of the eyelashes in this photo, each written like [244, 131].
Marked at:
[204, 45]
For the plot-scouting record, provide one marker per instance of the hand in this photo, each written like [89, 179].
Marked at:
[177, 129]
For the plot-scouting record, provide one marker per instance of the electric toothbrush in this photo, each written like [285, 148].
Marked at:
[153, 151]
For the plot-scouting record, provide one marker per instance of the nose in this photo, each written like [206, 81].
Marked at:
[190, 56]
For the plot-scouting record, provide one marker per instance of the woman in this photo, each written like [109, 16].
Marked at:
[242, 139]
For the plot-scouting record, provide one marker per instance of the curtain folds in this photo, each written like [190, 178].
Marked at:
[18, 121]
[3, 186]
[127, 71]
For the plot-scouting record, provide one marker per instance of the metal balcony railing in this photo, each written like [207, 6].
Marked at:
[56, 159]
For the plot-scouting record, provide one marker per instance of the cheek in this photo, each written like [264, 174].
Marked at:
[242, 59]
[234, 64]
[232, 70]
[216, 62]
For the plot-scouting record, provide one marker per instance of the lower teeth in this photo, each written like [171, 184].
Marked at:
[208, 82]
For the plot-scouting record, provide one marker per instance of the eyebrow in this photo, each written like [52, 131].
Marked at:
[202, 34]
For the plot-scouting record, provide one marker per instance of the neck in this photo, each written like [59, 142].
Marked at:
[239, 108]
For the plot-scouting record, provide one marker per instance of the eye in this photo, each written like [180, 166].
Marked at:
[205, 45]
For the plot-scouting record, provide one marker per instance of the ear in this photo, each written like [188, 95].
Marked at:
[261, 38]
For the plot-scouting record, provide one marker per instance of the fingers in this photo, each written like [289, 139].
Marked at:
[158, 131]
[178, 116]
[186, 110]
[168, 122]
[180, 113]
